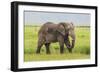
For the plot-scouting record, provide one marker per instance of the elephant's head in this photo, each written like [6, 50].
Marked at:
[67, 32]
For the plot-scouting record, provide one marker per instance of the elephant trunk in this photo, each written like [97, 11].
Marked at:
[69, 44]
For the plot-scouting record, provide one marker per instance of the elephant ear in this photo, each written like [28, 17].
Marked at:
[61, 29]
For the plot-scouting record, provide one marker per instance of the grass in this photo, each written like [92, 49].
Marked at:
[43, 57]
[80, 51]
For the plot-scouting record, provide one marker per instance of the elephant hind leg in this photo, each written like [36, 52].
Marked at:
[40, 44]
[47, 48]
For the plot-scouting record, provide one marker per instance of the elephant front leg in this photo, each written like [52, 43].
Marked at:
[47, 48]
[61, 49]
[61, 43]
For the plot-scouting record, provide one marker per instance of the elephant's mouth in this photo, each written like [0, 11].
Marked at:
[69, 44]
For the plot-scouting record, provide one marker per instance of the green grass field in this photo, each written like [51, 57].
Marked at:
[80, 51]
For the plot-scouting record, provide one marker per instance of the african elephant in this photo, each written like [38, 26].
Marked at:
[50, 32]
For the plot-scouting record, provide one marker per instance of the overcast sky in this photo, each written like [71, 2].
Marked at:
[38, 18]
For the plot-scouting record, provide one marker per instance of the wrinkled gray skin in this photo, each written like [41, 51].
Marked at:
[50, 33]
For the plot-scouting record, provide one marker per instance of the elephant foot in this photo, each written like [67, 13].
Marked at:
[37, 52]
[61, 52]
[48, 53]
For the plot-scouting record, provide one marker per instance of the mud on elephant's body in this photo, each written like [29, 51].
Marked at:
[51, 32]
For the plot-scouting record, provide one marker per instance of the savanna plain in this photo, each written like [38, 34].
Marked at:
[80, 51]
